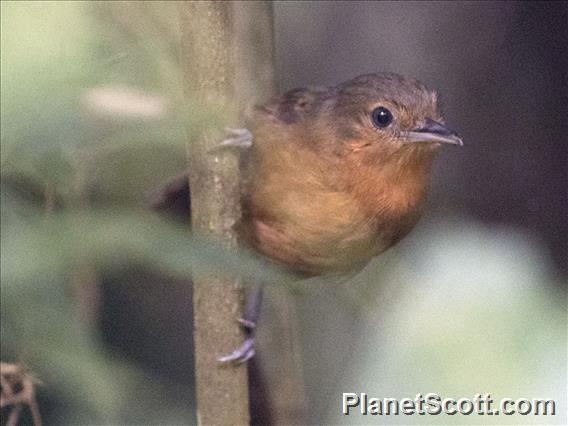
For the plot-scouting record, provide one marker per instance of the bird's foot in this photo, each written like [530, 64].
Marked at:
[249, 321]
[238, 138]
[242, 354]
[246, 351]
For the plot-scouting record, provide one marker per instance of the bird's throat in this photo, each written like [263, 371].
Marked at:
[395, 189]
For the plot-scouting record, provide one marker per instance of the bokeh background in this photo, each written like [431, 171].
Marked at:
[95, 294]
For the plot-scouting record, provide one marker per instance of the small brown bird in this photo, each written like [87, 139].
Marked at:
[338, 174]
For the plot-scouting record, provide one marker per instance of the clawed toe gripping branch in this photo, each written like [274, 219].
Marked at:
[252, 313]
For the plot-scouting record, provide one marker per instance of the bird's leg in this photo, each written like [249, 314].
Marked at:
[249, 321]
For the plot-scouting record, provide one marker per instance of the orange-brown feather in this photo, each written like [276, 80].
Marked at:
[321, 214]
[328, 189]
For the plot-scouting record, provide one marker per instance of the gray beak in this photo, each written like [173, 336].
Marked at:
[432, 131]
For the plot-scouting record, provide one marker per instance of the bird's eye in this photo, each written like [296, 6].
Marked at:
[382, 117]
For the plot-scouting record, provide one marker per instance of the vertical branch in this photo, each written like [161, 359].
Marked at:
[221, 68]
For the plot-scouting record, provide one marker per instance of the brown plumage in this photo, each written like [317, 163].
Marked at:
[334, 179]
[335, 176]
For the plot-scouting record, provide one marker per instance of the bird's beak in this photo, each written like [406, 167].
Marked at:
[432, 131]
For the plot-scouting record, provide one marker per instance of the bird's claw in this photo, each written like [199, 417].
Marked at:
[240, 355]
[248, 324]
[239, 138]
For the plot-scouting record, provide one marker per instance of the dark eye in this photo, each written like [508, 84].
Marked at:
[382, 117]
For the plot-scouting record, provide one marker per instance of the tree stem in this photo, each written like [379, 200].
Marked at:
[227, 62]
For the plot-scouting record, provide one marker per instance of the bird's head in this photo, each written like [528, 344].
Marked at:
[381, 115]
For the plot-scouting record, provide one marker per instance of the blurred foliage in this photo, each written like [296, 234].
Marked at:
[93, 120]
[465, 309]
[59, 143]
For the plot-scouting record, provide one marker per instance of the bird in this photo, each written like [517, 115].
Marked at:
[335, 175]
